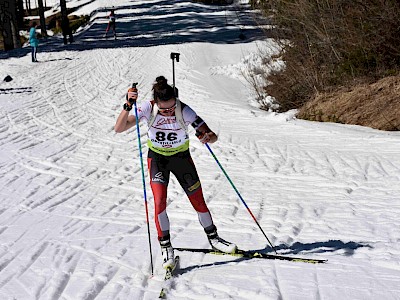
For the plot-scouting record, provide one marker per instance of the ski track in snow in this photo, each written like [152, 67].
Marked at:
[72, 217]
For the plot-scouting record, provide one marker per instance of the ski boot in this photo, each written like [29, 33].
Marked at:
[167, 252]
[217, 243]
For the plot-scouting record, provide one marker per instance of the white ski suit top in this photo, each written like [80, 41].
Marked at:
[166, 136]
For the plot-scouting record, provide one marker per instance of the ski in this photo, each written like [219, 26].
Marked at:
[169, 273]
[255, 254]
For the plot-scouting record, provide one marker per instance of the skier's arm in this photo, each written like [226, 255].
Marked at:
[205, 134]
[124, 121]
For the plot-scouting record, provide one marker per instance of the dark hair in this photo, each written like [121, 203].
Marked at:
[162, 91]
[34, 24]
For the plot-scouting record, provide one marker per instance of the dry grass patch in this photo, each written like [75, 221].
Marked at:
[375, 105]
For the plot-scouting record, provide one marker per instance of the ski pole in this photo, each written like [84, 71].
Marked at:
[143, 178]
[174, 56]
[240, 196]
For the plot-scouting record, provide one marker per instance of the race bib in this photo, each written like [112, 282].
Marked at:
[166, 136]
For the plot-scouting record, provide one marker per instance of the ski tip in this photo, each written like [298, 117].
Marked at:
[163, 294]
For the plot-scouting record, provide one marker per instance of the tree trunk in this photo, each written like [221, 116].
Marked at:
[28, 7]
[20, 13]
[10, 32]
[15, 33]
[66, 30]
[42, 19]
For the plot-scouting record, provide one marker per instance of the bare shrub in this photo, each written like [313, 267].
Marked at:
[332, 42]
[258, 67]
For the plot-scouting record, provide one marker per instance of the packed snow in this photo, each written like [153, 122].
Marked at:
[72, 212]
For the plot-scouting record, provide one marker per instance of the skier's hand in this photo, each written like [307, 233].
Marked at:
[203, 137]
[131, 96]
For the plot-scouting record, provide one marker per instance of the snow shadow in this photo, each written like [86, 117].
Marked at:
[148, 24]
[317, 247]
[16, 53]
[181, 271]
[161, 23]
[58, 59]
[16, 90]
[296, 248]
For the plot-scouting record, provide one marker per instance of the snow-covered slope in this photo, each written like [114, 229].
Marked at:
[72, 217]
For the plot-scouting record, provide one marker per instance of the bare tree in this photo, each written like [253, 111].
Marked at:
[331, 43]
[20, 13]
[66, 30]
[9, 25]
[42, 19]
[28, 6]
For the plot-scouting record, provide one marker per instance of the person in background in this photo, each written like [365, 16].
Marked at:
[111, 24]
[33, 41]
[168, 143]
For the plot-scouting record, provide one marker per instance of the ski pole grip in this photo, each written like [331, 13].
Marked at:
[175, 55]
[132, 91]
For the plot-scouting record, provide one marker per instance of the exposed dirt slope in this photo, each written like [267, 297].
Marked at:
[375, 105]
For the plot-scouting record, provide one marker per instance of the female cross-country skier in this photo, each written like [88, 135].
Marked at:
[168, 144]
[111, 24]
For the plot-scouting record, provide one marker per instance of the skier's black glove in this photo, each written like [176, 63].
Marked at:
[131, 97]
[127, 106]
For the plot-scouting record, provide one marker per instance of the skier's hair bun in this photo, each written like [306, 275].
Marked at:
[161, 80]
[162, 90]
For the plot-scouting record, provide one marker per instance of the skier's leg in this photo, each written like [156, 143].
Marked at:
[185, 172]
[107, 29]
[159, 178]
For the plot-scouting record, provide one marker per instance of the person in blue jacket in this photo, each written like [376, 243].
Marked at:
[33, 41]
